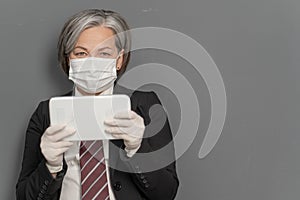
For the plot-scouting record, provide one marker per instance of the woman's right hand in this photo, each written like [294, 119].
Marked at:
[53, 146]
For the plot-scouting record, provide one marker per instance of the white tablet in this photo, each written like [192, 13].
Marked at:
[86, 114]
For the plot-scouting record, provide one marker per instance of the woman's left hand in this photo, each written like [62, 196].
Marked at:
[128, 126]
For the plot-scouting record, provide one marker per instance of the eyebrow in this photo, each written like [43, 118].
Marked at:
[102, 48]
[80, 48]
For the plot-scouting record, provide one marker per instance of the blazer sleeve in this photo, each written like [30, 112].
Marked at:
[35, 181]
[161, 183]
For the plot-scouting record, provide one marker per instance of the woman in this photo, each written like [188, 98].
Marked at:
[93, 50]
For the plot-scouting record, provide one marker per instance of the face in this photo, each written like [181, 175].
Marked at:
[97, 41]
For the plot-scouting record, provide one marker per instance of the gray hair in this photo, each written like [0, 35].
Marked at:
[87, 19]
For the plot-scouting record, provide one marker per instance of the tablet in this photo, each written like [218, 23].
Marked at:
[86, 114]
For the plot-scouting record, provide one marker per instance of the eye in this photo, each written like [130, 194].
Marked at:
[104, 54]
[80, 54]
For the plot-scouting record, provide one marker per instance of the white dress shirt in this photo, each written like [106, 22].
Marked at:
[71, 186]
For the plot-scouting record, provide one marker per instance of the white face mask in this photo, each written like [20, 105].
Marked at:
[93, 75]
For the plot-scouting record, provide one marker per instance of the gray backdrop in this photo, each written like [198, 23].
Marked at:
[256, 45]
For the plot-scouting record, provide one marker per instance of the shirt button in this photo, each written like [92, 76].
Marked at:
[117, 186]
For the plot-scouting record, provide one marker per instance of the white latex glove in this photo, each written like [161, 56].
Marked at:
[128, 126]
[53, 146]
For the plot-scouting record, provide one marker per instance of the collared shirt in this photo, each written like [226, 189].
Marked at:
[71, 186]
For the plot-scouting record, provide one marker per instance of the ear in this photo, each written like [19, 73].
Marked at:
[120, 60]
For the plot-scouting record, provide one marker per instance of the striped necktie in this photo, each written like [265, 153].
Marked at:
[93, 171]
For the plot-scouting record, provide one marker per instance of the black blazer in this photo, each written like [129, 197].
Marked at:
[36, 182]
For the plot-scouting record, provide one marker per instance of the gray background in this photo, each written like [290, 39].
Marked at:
[256, 45]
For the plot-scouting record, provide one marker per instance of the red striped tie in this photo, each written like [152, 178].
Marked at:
[93, 171]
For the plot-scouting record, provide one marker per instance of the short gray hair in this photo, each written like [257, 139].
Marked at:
[87, 19]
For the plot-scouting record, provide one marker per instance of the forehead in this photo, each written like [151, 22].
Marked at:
[95, 37]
